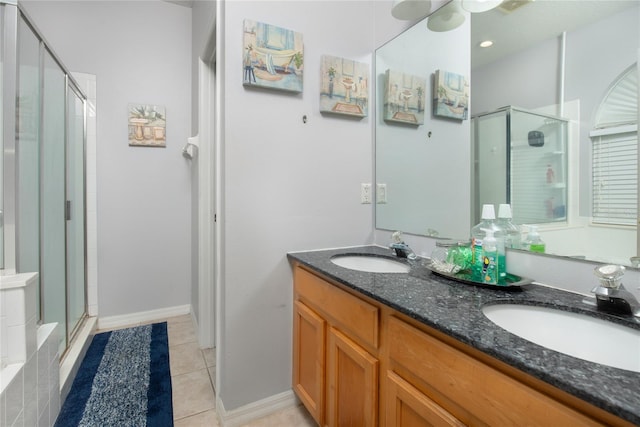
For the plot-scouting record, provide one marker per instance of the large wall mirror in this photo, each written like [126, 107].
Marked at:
[552, 127]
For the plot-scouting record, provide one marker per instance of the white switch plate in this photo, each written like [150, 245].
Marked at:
[365, 193]
[381, 193]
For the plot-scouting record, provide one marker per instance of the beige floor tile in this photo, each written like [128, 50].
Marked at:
[185, 358]
[209, 356]
[179, 319]
[180, 333]
[192, 394]
[212, 377]
[203, 419]
[290, 417]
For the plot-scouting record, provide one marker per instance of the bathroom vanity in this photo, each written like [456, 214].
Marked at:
[415, 349]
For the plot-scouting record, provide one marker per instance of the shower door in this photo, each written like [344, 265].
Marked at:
[75, 209]
[50, 186]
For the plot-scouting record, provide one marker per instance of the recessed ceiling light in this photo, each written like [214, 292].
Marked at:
[486, 43]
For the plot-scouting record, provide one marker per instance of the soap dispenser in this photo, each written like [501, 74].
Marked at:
[534, 242]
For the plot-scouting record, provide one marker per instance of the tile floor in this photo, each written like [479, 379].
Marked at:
[193, 374]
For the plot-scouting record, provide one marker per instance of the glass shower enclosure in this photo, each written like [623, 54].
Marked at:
[43, 171]
[520, 157]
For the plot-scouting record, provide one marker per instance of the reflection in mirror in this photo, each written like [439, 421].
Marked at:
[425, 168]
[570, 85]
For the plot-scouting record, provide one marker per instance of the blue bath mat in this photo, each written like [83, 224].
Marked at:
[124, 380]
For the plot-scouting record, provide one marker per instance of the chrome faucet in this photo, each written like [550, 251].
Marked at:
[400, 248]
[611, 295]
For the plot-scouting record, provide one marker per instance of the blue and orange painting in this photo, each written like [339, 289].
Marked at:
[273, 57]
[344, 86]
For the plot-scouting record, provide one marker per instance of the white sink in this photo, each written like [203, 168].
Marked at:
[577, 335]
[371, 264]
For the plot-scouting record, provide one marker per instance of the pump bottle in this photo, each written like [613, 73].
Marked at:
[534, 242]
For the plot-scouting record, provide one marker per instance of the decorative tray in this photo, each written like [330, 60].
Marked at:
[512, 282]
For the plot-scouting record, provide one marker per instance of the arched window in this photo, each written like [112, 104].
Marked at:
[615, 153]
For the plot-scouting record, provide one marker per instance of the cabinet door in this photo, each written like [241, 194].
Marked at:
[353, 383]
[309, 359]
[408, 407]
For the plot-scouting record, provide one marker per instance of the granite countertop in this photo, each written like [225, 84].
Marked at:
[456, 309]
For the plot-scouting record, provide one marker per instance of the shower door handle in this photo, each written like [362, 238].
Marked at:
[67, 210]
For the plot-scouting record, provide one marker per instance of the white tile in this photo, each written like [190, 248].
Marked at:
[19, 422]
[52, 343]
[54, 403]
[17, 344]
[44, 420]
[43, 379]
[3, 342]
[14, 399]
[3, 409]
[30, 300]
[15, 306]
[30, 378]
[31, 336]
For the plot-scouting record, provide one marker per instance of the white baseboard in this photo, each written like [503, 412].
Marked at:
[253, 411]
[142, 317]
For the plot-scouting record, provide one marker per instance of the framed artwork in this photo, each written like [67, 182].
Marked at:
[404, 98]
[147, 126]
[451, 95]
[273, 57]
[344, 86]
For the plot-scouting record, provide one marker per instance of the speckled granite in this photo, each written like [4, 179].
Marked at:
[455, 309]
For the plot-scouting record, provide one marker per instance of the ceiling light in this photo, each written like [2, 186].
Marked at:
[446, 18]
[486, 43]
[410, 9]
[478, 6]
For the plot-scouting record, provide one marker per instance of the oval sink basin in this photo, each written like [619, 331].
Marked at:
[371, 264]
[577, 335]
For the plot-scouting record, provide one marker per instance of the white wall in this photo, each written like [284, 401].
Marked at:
[144, 206]
[288, 186]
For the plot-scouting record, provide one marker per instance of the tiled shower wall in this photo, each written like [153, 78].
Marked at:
[29, 379]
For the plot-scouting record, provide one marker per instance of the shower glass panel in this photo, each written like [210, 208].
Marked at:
[520, 158]
[53, 264]
[538, 168]
[28, 152]
[75, 210]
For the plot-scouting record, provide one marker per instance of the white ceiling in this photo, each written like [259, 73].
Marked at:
[533, 23]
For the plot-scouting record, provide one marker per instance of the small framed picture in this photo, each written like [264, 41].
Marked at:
[272, 57]
[450, 95]
[147, 125]
[404, 98]
[344, 86]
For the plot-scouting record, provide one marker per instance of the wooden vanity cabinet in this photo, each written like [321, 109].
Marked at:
[335, 365]
[359, 363]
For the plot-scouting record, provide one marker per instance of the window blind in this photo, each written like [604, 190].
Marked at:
[615, 176]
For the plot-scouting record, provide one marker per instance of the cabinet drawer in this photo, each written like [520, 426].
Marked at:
[487, 395]
[345, 311]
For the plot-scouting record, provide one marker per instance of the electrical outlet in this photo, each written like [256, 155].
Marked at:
[381, 193]
[365, 194]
